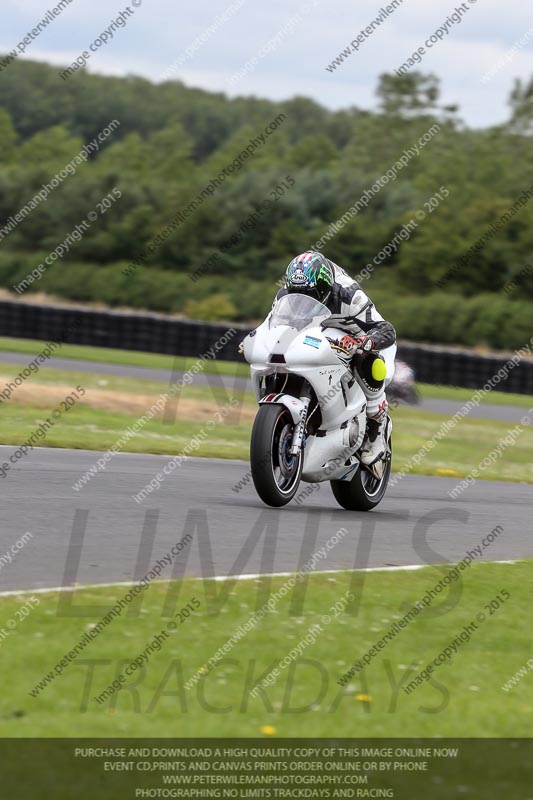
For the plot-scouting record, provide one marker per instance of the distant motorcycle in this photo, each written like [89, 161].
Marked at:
[311, 420]
[402, 388]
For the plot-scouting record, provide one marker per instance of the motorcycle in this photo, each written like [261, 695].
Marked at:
[311, 421]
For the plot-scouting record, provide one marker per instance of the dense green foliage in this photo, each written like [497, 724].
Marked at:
[172, 142]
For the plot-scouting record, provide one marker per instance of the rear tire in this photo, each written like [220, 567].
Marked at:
[276, 474]
[364, 492]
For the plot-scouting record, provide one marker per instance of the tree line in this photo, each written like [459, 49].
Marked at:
[218, 194]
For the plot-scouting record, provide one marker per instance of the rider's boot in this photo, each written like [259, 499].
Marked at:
[375, 444]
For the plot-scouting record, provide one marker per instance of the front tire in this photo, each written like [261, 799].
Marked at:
[275, 473]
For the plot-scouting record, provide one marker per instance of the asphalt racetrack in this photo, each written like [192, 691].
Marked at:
[233, 532]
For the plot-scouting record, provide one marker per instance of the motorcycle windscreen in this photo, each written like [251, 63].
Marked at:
[298, 311]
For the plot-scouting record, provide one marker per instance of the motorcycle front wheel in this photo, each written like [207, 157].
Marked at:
[275, 472]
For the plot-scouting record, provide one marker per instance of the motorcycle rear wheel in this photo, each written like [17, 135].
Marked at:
[364, 492]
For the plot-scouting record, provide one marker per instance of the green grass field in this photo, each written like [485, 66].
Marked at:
[463, 698]
[459, 452]
[458, 395]
[89, 429]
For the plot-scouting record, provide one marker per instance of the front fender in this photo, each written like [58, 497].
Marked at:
[294, 405]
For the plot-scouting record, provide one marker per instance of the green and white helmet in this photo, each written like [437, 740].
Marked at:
[310, 273]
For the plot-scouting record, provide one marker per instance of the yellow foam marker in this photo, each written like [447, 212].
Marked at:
[379, 370]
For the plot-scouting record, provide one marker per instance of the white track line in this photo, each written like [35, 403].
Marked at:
[249, 577]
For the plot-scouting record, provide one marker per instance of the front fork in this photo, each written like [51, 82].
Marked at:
[299, 429]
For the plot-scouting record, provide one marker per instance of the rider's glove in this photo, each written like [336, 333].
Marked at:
[367, 344]
[356, 345]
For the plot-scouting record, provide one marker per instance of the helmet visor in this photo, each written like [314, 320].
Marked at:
[316, 293]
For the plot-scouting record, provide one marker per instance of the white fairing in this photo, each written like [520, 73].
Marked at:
[298, 337]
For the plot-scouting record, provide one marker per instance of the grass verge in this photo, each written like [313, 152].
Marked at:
[463, 697]
[434, 392]
[456, 455]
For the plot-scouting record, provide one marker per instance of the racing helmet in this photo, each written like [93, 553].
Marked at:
[312, 274]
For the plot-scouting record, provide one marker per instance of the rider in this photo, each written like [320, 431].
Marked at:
[365, 330]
